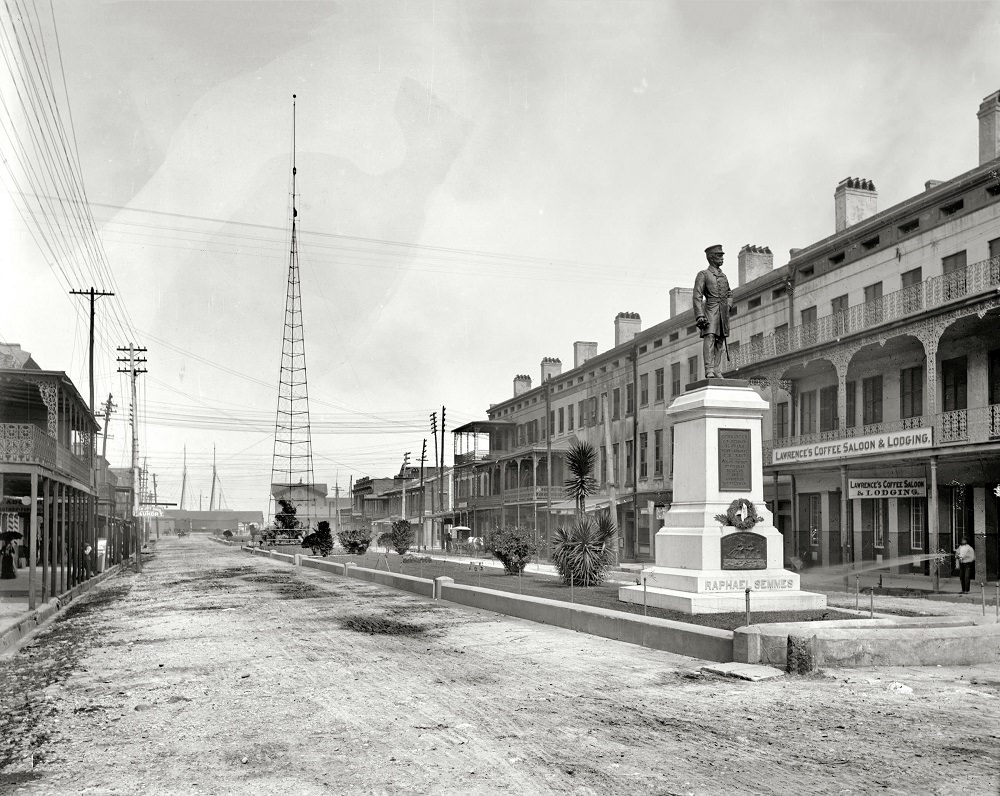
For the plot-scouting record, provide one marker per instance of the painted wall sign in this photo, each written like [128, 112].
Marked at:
[886, 487]
[870, 445]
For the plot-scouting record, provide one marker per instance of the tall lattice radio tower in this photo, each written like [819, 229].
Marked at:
[292, 463]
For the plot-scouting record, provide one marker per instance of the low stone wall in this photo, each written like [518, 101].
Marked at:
[661, 634]
[845, 648]
[423, 587]
[887, 641]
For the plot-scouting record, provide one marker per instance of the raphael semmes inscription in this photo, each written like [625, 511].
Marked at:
[734, 460]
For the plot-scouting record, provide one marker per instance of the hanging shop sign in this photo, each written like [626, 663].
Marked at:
[886, 487]
[149, 512]
[869, 445]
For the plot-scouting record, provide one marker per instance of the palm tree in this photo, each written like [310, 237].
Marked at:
[581, 460]
[583, 554]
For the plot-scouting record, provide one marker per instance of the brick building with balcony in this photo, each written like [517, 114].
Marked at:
[46, 439]
[878, 349]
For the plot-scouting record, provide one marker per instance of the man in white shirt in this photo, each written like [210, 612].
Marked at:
[966, 556]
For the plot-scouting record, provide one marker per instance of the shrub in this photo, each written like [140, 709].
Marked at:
[401, 536]
[512, 546]
[355, 541]
[285, 520]
[584, 552]
[320, 541]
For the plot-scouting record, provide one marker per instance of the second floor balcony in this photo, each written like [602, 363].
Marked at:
[25, 443]
[978, 279]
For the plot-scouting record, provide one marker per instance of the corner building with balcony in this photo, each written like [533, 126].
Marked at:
[878, 350]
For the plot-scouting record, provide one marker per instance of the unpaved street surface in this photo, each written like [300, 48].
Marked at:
[215, 672]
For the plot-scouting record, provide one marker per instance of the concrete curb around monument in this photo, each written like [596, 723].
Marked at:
[704, 565]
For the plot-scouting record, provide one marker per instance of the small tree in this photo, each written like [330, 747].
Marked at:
[581, 460]
[228, 534]
[355, 541]
[584, 553]
[285, 520]
[320, 541]
[512, 546]
[401, 536]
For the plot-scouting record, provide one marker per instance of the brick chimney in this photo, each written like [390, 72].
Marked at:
[680, 300]
[582, 352]
[854, 200]
[754, 261]
[989, 128]
[522, 383]
[551, 367]
[627, 326]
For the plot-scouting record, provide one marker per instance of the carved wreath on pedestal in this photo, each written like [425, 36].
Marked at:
[741, 514]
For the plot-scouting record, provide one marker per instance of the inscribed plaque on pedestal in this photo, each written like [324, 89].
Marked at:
[734, 460]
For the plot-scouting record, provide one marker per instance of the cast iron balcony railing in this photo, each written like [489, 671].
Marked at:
[938, 291]
[28, 444]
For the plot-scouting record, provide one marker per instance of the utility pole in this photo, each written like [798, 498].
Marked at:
[135, 368]
[91, 536]
[94, 295]
[423, 497]
[211, 498]
[441, 481]
[336, 503]
[108, 408]
[406, 465]
[433, 508]
[184, 477]
[156, 502]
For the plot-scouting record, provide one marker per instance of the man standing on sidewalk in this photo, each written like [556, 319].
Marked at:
[966, 564]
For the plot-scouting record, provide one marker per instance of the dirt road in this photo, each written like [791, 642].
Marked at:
[217, 673]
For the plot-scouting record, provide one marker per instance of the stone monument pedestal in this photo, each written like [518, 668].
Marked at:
[702, 564]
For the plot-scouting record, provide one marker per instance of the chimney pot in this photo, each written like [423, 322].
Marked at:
[582, 351]
[854, 200]
[989, 128]
[551, 367]
[627, 326]
[680, 300]
[753, 262]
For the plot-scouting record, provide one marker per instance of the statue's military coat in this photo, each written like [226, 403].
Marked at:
[713, 285]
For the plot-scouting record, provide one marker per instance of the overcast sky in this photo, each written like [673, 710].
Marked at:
[480, 185]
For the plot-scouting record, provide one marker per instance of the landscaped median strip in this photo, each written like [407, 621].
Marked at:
[707, 643]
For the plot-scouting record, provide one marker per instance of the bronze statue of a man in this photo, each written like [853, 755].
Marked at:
[711, 310]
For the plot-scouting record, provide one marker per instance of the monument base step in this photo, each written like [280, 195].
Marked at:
[721, 602]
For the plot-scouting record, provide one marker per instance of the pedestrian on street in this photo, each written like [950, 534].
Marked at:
[966, 556]
[8, 567]
[88, 569]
